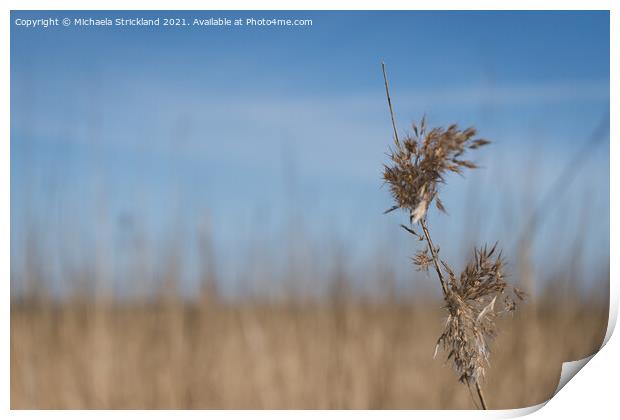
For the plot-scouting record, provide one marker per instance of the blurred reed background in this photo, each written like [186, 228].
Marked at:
[339, 352]
[190, 238]
[318, 334]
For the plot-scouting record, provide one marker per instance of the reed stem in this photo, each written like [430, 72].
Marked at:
[422, 221]
[387, 93]
[479, 391]
[444, 287]
[427, 235]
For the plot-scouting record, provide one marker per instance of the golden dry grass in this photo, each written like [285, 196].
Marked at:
[347, 354]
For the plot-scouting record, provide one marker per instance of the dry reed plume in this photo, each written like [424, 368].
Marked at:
[419, 164]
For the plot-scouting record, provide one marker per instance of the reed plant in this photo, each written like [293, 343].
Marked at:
[419, 164]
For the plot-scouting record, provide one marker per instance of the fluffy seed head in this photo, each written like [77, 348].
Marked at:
[420, 162]
[471, 302]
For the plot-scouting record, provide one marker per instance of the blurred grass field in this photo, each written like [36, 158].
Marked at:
[345, 353]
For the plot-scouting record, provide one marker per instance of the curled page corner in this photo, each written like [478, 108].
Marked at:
[519, 412]
[611, 322]
[569, 370]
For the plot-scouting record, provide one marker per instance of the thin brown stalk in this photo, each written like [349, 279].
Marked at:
[444, 287]
[427, 235]
[387, 93]
[479, 391]
[419, 165]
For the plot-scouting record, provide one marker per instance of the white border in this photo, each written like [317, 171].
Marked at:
[591, 394]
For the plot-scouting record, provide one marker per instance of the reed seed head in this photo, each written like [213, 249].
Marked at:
[420, 162]
[471, 302]
[418, 165]
[422, 260]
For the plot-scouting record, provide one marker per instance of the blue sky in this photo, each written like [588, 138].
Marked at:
[251, 133]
